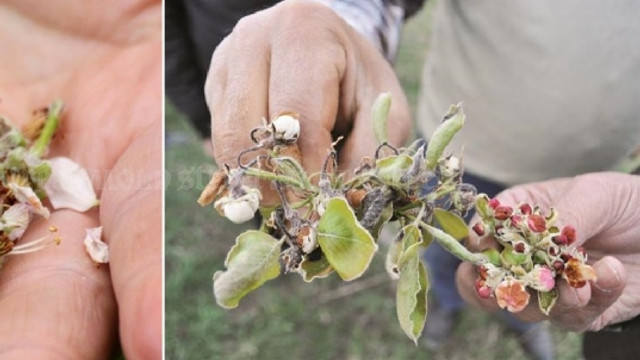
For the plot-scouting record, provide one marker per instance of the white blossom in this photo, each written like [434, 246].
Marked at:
[240, 209]
[450, 167]
[70, 186]
[286, 128]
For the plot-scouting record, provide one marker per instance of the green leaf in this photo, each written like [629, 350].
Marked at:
[398, 255]
[427, 238]
[391, 168]
[451, 223]
[380, 115]
[546, 300]
[411, 294]
[482, 206]
[251, 262]
[347, 245]
[310, 270]
[411, 235]
[509, 256]
[493, 256]
[451, 124]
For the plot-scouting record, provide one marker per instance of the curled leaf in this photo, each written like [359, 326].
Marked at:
[411, 294]
[390, 169]
[451, 124]
[380, 115]
[251, 262]
[310, 270]
[347, 245]
[69, 186]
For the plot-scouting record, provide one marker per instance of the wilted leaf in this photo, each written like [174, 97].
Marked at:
[451, 223]
[451, 124]
[391, 168]
[384, 218]
[347, 245]
[310, 270]
[380, 114]
[546, 300]
[393, 257]
[411, 294]
[251, 262]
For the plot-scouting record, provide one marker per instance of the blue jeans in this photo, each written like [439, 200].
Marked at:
[442, 265]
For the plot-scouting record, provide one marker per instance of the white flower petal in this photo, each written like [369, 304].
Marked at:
[241, 209]
[16, 218]
[70, 186]
[25, 195]
[97, 249]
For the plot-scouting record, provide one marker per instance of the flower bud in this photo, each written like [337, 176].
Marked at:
[240, 209]
[525, 209]
[569, 232]
[482, 289]
[502, 212]
[577, 273]
[560, 240]
[537, 223]
[478, 228]
[286, 128]
[494, 203]
[541, 278]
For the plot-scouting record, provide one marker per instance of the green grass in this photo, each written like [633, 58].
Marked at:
[287, 318]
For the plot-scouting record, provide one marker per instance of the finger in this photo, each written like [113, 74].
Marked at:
[55, 303]
[131, 213]
[236, 89]
[605, 291]
[307, 65]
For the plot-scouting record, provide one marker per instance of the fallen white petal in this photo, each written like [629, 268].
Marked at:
[70, 186]
[97, 249]
[16, 218]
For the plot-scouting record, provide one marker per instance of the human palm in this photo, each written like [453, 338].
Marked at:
[104, 61]
[603, 209]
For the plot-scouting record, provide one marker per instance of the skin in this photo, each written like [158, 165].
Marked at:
[603, 207]
[320, 68]
[323, 70]
[105, 64]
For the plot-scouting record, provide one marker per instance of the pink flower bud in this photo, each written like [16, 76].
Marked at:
[558, 266]
[502, 212]
[537, 223]
[511, 294]
[569, 232]
[525, 209]
[482, 290]
[541, 278]
[516, 220]
[494, 203]
[478, 228]
[560, 240]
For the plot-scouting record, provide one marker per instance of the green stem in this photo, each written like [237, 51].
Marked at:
[50, 126]
[266, 175]
[453, 246]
